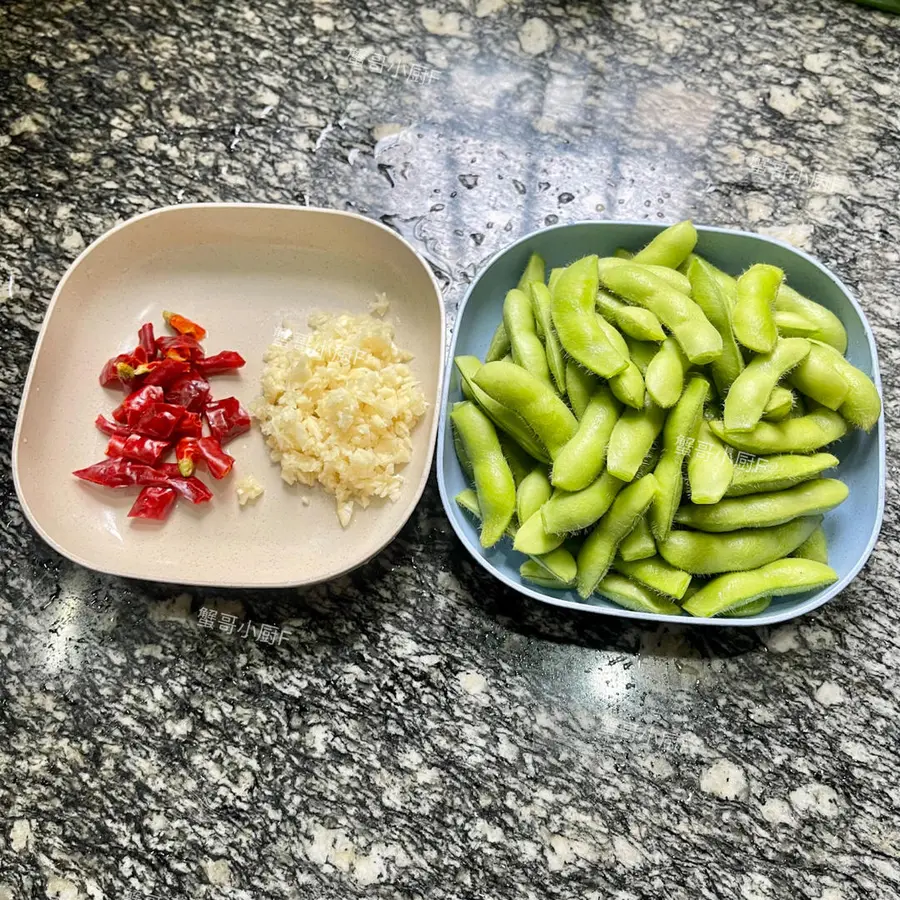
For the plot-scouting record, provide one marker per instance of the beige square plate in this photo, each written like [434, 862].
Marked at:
[239, 270]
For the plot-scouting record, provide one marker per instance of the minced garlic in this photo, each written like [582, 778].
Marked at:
[338, 408]
[247, 489]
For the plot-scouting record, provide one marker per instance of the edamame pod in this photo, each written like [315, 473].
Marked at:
[520, 461]
[599, 549]
[794, 435]
[701, 553]
[775, 473]
[500, 415]
[534, 539]
[628, 385]
[665, 374]
[712, 296]
[534, 271]
[670, 247]
[532, 571]
[677, 312]
[674, 279]
[710, 469]
[819, 378]
[634, 321]
[748, 396]
[532, 399]
[576, 322]
[753, 319]
[633, 596]
[499, 346]
[493, 480]
[460, 449]
[791, 324]
[580, 387]
[468, 500]
[631, 439]
[540, 296]
[581, 460]
[829, 328]
[527, 349]
[622, 253]
[656, 574]
[786, 576]
[641, 353]
[779, 404]
[815, 547]
[553, 280]
[767, 509]
[862, 406]
[679, 435]
[639, 544]
[750, 608]
[532, 493]
[568, 511]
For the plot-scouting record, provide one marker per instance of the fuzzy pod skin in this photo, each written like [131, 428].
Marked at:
[582, 459]
[634, 321]
[628, 385]
[630, 595]
[775, 473]
[631, 439]
[671, 277]
[803, 434]
[818, 378]
[580, 387]
[862, 406]
[567, 511]
[753, 318]
[815, 547]
[639, 544]
[670, 247]
[664, 377]
[532, 492]
[656, 574]
[710, 469]
[527, 349]
[541, 300]
[829, 328]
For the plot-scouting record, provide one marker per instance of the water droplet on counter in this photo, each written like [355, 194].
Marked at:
[543, 186]
[551, 220]
[566, 198]
[468, 181]
[478, 238]
[519, 186]
[437, 207]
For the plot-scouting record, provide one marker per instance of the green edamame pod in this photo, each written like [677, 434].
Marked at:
[553, 280]
[532, 571]
[641, 353]
[622, 253]
[786, 576]
[767, 509]
[581, 460]
[499, 346]
[829, 329]
[468, 500]
[794, 435]
[702, 553]
[862, 407]
[710, 469]
[493, 480]
[665, 374]
[747, 609]
[819, 378]
[542, 301]
[791, 324]
[576, 322]
[639, 544]
[599, 549]
[633, 596]
[460, 449]
[677, 312]
[532, 493]
[753, 319]
[656, 574]
[779, 404]
[500, 415]
[534, 271]
[716, 299]
[631, 439]
[748, 396]
[775, 473]
[520, 461]
[815, 547]
[532, 399]
[634, 321]
[670, 247]
[628, 385]
[674, 279]
[580, 387]
[534, 539]
[568, 511]
[527, 349]
[679, 435]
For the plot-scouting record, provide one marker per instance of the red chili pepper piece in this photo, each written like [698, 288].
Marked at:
[121, 473]
[192, 488]
[217, 460]
[137, 401]
[183, 325]
[112, 428]
[186, 453]
[190, 391]
[153, 503]
[191, 425]
[226, 419]
[147, 340]
[137, 447]
[225, 361]
[119, 371]
[184, 345]
[158, 420]
[163, 372]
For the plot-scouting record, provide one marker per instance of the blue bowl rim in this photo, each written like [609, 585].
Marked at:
[765, 618]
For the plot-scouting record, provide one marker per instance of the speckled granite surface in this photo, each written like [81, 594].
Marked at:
[419, 732]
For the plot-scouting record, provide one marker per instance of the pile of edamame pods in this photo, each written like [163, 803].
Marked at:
[651, 429]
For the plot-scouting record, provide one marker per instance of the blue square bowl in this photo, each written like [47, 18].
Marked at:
[852, 528]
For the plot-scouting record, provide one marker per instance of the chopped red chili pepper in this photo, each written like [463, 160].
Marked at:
[186, 452]
[111, 428]
[183, 325]
[119, 371]
[217, 460]
[137, 401]
[226, 361]
[190, 391]
[122, 473]
[158, 420]
[191, 425]
[147, 340]
[163, 372]
[183, 344]
[137, 447]
[226, 419]
[191, 488]
[153, 503]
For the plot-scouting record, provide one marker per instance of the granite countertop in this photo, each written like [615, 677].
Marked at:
[418, 731]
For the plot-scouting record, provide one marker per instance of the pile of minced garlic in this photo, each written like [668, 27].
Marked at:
[338, 407]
